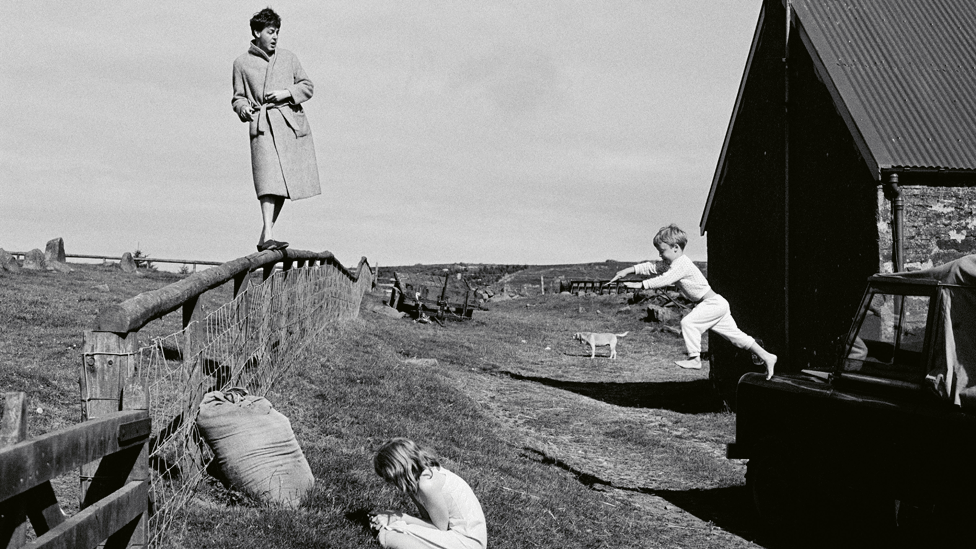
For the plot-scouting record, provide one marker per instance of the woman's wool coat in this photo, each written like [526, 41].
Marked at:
[282, 153]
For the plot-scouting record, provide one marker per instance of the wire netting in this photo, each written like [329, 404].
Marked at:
[249, 342]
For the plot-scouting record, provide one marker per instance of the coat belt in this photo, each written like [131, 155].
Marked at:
[263, 121]
[263, 114]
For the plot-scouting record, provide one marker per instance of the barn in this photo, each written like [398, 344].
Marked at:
[851, 151]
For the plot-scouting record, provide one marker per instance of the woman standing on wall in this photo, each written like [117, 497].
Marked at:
[269, 88]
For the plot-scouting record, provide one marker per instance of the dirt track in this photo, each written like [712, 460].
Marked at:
[629, 428]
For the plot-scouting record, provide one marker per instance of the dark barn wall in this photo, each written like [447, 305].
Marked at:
[833, 220]
[745, 225]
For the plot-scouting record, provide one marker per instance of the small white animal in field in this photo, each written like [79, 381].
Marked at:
[598, 340]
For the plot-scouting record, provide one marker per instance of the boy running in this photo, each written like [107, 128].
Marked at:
[711, 311]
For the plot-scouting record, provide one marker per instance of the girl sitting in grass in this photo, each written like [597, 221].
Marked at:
[450, 515]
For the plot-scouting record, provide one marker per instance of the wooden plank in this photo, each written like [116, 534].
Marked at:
[13, 422]
[107, 359]
[136, 398]
[13, 429]
[41, 504]
[99, 521]
[29, 463]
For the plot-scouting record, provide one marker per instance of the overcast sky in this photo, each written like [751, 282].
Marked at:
[490, 131]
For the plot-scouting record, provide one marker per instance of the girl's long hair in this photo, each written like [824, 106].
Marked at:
[401, 462]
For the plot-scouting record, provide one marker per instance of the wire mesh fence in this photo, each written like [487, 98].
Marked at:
[249, 342]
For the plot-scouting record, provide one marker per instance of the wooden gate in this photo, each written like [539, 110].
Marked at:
[115, 501]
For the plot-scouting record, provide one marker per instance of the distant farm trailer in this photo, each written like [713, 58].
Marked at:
[600, 287]
[440, 294]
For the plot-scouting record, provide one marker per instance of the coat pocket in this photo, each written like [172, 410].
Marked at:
[298, 121]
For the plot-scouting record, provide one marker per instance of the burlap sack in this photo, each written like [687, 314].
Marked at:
[254, 447]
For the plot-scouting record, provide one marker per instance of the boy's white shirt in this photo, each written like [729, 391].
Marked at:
[682, 273]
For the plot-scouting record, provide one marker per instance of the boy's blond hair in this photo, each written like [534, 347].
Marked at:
[671, 235]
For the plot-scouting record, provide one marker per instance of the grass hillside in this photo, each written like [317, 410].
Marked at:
[562, 450]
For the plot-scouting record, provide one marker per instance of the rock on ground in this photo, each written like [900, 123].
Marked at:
[128, 265]
[34, 260]
[54, 251]
[8, 262]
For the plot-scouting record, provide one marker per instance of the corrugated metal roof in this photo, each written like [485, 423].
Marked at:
[905, 71]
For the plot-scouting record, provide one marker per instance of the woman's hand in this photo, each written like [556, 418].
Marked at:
[246, 114]
[277, 96]
[634, 285]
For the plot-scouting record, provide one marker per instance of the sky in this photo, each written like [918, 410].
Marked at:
[518, 132]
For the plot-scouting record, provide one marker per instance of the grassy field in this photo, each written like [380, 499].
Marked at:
[562, 450]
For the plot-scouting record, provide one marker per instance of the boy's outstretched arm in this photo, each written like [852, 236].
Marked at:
[622, 273]
[646, 268]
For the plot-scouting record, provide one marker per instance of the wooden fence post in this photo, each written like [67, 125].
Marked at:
[13, 429]
[135, 396]
[288, 277]
[109, 366]
[194, 340]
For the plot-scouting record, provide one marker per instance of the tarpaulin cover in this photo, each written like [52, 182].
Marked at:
[953, 370]
[255, 447]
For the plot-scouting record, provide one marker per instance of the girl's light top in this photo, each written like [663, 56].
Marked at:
[683, 274]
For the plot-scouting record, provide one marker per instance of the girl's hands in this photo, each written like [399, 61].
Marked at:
[634, 285]
[277, 96]
[381, 519]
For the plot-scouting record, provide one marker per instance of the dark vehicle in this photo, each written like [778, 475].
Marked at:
[886, 441]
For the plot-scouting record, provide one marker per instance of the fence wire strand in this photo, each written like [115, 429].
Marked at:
[249, 342]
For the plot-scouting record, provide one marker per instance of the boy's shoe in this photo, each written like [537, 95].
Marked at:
[690, 364]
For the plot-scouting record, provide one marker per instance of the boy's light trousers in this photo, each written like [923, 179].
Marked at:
[712, 313]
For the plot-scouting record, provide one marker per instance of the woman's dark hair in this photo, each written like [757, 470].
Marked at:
[265, 18]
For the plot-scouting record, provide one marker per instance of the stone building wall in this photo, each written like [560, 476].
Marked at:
[940, 225]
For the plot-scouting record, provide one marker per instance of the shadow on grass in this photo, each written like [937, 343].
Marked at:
[729, 508]
[686, 397]
[360, 517]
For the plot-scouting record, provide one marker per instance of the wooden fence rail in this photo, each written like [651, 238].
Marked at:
[140, 259]
[115, 504]
[131, 315]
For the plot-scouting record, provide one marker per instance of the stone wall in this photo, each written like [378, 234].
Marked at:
[940, 225]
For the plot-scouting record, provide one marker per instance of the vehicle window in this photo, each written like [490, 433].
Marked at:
[890, 339]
